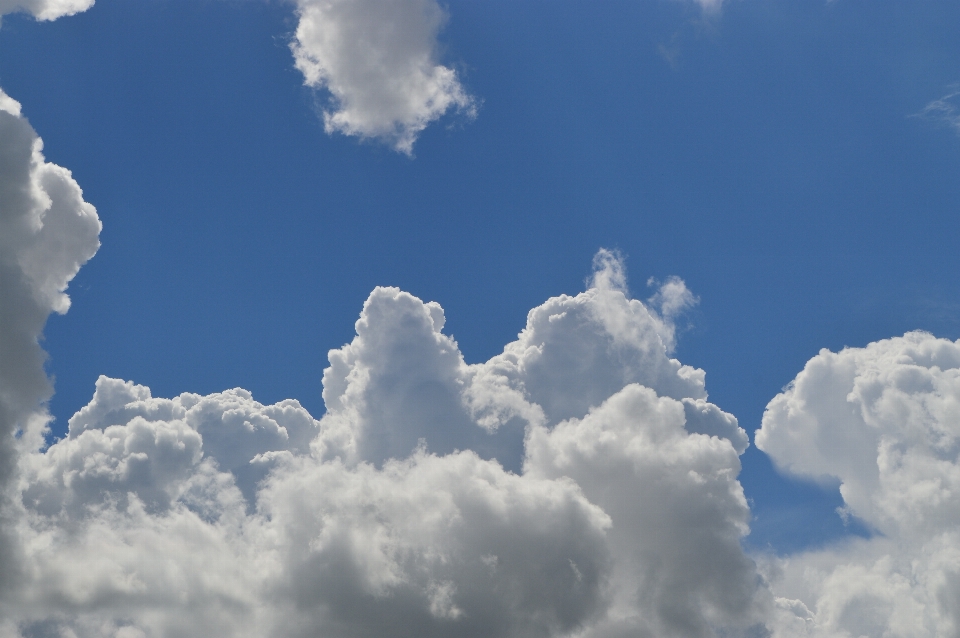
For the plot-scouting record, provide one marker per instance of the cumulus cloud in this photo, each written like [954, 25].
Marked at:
[47, 232]
[393, 513]
[379, 61]
[677, 508]
[884, 420]
[401, 380]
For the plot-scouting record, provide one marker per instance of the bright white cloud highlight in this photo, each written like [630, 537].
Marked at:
[393, 514]
[378, 59]
[885, 421]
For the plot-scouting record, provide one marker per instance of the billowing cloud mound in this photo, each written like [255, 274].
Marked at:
[392, 514]
[885, 421]
[378, 60]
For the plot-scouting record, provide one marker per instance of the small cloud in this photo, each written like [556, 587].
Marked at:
[944, 110]
[45, 9]
[378, 60]
[711, 7]
[670, 53]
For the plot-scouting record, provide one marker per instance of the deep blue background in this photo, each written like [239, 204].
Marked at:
[768, 156]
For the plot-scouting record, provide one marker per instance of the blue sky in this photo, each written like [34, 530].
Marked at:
[782, 158]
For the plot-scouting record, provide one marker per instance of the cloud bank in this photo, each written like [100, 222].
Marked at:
[378, 59]
[393, 513]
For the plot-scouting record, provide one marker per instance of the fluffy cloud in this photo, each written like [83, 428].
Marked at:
[126, 442]
[401, 380]
[393, 513]
[885, 421]
[434, 546]
[47, 232]
[378, 60]
[45, 9]
[678, 513]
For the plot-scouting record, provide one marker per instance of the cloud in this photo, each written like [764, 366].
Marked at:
[402, 380]
[45, 9]
[710, 6]
[392, 514]
[884, 420]
[47, 232]
[379, 61]
[677, 508]
[945, 110]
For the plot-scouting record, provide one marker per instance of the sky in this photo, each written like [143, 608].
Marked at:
[390, 317]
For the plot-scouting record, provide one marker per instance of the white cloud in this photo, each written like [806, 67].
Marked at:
[378, 59]
[678, 513]
[885, 421]
[402, 380]
[945, 110]
[47, 232]
[450, 545]
[132, 520]
[45, 9]
[217, 515]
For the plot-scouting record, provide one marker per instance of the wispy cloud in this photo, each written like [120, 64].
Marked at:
[378, 61]
[944, 110]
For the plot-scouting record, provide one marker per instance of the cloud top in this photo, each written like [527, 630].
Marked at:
[378, 60]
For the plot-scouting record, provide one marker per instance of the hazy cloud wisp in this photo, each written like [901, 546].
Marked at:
[944, 110]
